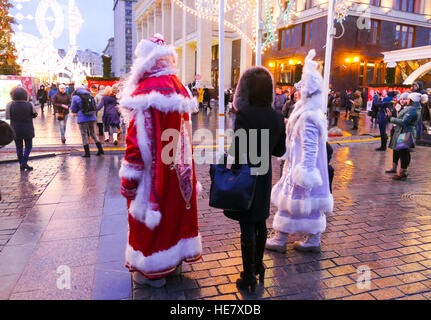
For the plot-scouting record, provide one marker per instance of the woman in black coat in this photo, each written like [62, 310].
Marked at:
[42, 96]
[253, 99]
[20, 112]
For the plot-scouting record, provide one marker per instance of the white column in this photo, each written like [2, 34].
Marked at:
[259, 33]
[221, 66]
[155, 19]
[148, 27]
[172, 23]
[203, 56]
[163, 19]
[144, 29]
[246, 51]
[184, 45]
[228, 63]
[328, 52]
[167, 17]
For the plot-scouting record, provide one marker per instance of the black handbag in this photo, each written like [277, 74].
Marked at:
[232, 189]
[7, 135]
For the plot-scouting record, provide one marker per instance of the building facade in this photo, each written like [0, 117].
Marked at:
[124, 36]
[372, 28]
[196, 41]
[91, 60]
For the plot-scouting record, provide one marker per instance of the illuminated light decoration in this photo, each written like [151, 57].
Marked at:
[241, 12]
[340, 11]
[356, 59]
[38, 56]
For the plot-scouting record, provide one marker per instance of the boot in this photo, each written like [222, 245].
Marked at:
[115, 138]
[106, 136]
[100, 149]
[393, 169]
[278, 243]
[143, 280]
[260, 249]
[402, 176]
[87, 151]
[312, 244]
[383, 140]
[247, 280]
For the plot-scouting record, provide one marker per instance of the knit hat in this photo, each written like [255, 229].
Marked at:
[415, 97]
[404, 95]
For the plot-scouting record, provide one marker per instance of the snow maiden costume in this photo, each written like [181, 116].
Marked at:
[160, 187]
[302, 195]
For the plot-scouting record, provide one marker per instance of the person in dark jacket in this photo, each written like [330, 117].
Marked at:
[42, 97]
[86, 122]
[61, 103]
[253, 99]
[20, 112]
[207, 98]
[111, 117]
[384, 106]
[418, 87]
[51, 93]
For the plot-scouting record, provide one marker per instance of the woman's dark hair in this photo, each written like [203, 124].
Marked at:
[19, 94]
[260, 88]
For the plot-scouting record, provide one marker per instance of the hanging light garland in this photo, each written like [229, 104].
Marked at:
[242, 11]
[340, 11]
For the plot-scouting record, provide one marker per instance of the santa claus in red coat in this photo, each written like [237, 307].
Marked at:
[158, 174]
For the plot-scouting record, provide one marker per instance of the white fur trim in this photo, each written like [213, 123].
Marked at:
[306, 179]
[163, 103]
[302, 207]
[140, 205]
[130, 171]
[289, 225]
[163, 260]
[198, 188]
[152, 219]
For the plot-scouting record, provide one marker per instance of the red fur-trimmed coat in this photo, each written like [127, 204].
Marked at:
[161, 194]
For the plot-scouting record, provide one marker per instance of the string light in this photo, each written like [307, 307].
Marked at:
[242, 10]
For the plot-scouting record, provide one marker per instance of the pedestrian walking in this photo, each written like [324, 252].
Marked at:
[418, 87]
[406, 123]
[384, 107]
[42, 97]
[201, 98]
[99, 96]
[160, 191]
[84, 105]
[207, 98]
[21, 113]
[111, 116]
[52, 91]
[254, 99]
[61, 103]
[302, 195]
[356, 108]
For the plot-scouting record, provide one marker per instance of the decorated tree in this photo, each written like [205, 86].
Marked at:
[8, 53]
[107, 66]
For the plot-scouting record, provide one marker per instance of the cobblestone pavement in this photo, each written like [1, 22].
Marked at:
[69, 212]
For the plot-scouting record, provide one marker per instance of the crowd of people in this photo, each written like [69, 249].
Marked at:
[95, 105]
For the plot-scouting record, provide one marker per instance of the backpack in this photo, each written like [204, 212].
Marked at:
[88, 104]
[7, 134]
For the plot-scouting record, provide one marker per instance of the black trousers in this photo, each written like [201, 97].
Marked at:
[404, 156]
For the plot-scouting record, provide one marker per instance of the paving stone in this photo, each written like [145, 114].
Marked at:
[387, 293]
